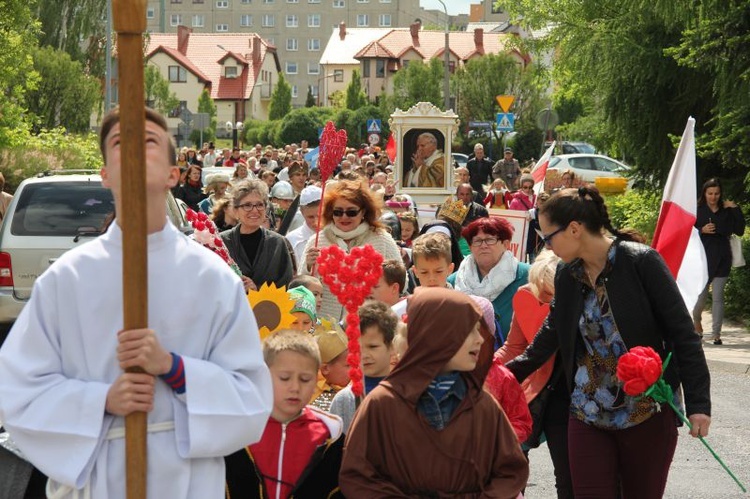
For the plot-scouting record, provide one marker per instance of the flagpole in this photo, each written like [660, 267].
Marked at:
[130, 24]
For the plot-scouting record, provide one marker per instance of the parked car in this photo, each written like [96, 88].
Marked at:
[459, 159]
[589, 166]
[566, 147]
[49, 215]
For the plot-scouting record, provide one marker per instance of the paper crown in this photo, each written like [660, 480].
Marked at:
[455, 211]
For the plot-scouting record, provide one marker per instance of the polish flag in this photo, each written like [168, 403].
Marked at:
[540, 169]
[390, 149]
[676, 238]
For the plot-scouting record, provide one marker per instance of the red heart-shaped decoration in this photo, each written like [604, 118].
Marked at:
[530, 313]
[332, 148]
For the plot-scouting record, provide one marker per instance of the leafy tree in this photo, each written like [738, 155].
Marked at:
[205, 105]
[77, 27]
[281, 100]
[417, 82]
[310, 99]
[18, 32]
[355, 96]
[303, 124]
[157, 92]
[337, 100]
[65, 96]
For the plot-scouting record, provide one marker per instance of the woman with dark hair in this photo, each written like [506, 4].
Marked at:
[350, 219]
[716, 219]
[612, 294]
[491, 270]
[192, 190]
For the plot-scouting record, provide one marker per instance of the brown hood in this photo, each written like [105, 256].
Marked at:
[439, 320]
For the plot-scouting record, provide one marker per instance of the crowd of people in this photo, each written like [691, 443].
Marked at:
[471, 356]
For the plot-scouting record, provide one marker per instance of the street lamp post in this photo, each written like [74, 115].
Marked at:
[446, 83]
[323, 79]
[234, 129]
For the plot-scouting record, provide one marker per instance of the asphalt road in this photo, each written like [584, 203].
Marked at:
[694, 474]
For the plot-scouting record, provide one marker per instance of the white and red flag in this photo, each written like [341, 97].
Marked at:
[540, 169]
[676, 238]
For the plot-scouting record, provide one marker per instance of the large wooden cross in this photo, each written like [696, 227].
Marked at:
[129, 18]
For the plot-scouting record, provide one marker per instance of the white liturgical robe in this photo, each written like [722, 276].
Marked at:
[60, 360]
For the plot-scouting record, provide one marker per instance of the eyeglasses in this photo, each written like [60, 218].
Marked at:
[248, 207]
[547, 240]
[489, 241]
[349, 212]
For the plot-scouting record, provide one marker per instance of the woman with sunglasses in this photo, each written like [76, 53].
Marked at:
[263, 256]
[612, 294]
[491, 270]
[350, 219]
[524, 199]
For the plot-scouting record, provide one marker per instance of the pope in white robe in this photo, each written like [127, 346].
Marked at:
[60, 360]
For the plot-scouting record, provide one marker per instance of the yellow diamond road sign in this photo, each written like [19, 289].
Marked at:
[505, 102]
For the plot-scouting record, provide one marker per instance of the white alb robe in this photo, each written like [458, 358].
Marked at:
[60, 360]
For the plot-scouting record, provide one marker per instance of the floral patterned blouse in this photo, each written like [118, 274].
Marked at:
[598, 398]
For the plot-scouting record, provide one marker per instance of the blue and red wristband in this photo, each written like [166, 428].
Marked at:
[176, 376]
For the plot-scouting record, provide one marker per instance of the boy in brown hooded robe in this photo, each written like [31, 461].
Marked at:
[428, 429]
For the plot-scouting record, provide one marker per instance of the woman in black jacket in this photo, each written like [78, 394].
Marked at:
[717, 219]
[612, 295]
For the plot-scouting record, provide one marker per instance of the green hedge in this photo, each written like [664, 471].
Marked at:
[737, 292]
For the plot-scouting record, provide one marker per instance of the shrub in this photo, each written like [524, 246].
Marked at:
[737, 292]
[637, 209]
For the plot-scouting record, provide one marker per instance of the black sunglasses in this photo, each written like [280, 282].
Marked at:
[349, 212]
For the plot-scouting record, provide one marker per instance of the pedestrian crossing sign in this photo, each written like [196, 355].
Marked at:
[373, 126]
[505, 122]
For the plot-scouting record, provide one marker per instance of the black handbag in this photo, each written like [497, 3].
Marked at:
[538, 407]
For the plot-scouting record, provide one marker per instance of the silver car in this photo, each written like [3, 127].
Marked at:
[588, 166]
[49, 215]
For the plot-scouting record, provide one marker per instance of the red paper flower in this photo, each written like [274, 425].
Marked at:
[639, 369]
[332, 148]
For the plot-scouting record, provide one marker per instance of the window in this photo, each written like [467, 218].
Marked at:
[246, 20]
[379, 68]
[314, 90]
[313, 68]
[294, 91]
[366, 68]
[313, 44]
[222, 28]
[222, 4]
[271, 41]
[197, 1]
[268, 21]
[363, 20]
[292, 1]
[385, 20]
[268, 1]
[245, 1]
[176, 1]
[313, 1]
[199, 21]
[230, 71]
[177, 74]
[291, 68]
[385, 1]
[292, 44]
[313, 21]
[292, 21]
[338, 75]
[363, 1]
[339, 4]
[150, 13]
[175, 19]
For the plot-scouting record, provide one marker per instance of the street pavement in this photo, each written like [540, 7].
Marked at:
[694, 473]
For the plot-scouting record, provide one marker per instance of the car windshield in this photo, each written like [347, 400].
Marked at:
[61, 209]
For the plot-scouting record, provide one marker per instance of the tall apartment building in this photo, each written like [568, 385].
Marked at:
[298, 28]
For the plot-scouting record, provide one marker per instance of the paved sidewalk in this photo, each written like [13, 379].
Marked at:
[734, 354]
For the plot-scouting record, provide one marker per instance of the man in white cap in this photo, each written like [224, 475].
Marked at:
[309, 203]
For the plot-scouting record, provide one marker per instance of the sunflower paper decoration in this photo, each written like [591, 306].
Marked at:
[272, 307]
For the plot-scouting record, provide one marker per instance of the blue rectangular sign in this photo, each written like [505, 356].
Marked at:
[505, 122]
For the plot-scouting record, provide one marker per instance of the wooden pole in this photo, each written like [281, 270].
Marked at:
[130, 24]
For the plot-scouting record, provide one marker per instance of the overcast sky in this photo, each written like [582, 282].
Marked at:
[454, 6]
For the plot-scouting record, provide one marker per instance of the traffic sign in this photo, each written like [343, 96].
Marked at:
[505, 101]
[373, 126]
[480, 124]
[505, 122]
[373, 138]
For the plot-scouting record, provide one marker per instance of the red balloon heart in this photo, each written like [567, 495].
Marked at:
[351, 277]
[332, 148]
[530, 313]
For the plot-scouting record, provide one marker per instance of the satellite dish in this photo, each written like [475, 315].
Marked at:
[547, 119]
